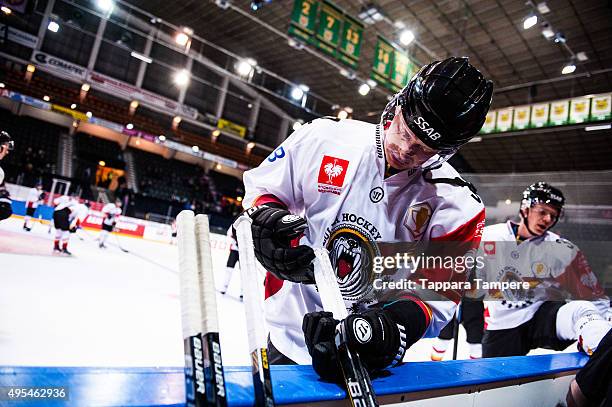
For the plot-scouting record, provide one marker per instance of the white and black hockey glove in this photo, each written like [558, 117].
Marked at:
[381, 336]
[273, 230]
[6, 209]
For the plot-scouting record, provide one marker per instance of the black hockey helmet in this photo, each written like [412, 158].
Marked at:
[5, 138]
[445, 104]
[541, 193]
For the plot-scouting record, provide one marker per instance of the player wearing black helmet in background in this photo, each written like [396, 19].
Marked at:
[355, 185]
[6, 144]
[529, 251]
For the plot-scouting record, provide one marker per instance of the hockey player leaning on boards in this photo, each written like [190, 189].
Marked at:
[349, 185]
[6, 144]
[530, 251]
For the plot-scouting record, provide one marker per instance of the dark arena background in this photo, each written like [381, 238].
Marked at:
[163, 105]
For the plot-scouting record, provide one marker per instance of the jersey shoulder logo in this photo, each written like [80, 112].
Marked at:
[417, 219]
[332, 173]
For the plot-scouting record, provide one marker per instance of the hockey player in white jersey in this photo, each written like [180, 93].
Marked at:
[529, 251]
[232, 259]
[110, 214]
[349, 186]
[67, 218]
[6, 144]
[35, 198]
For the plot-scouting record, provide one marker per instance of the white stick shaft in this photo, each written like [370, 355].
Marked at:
[191, 314]
[253, 304]
[327, 284]
[207, 286]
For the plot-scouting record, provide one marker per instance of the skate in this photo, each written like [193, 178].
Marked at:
[66, 252]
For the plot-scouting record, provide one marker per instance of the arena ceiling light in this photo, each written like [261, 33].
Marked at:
[297, 125]
[105, 5]
[162, 138]
[73, 106]
[530, 21]
[364, 89]
[370, 14]
[181, 78]
[143, 58]
[598, 127]
[406, 37]
[6, 10]
[245, 67]
[183, 37]
[297, 93]
[30, 68]
[89, 115]
[129, 126]
[570, 67]
[46, 98]
[53, 26]
[547, 31]
[195, 149]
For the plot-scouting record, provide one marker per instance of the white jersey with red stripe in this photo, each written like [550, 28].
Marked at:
[34, 198]
[110, 213]
[63, 202]
[546, 261]
[332, 172]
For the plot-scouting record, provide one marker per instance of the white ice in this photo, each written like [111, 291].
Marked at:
[104, 307]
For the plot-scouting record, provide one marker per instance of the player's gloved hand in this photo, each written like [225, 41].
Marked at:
[373, 334]
[591, 329]
[5, 204]
[273, 229]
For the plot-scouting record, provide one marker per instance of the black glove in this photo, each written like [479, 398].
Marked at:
[380, 335]
[273, 229]
[6, 209]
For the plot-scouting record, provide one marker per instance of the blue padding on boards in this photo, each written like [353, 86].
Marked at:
[292, 384]
[44, 211]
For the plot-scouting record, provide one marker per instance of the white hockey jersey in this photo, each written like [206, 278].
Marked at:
[111, 213]
[332, 173]
[33, 198]
[546, 262]
[62, 202]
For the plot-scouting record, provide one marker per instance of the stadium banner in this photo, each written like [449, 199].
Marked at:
[18, 36]
[489, 124]
[521, 117]
[107, 123]
[303, 19]
[579, 110]
[232, 127]
[130, 92]
[350, 43]
[58, 66]
[539, 114]
[27, 100]
[70, 112]
[559, 112]
[139, 134]
[504, 119]
[601, 106]
[125, 225]
[327, 33]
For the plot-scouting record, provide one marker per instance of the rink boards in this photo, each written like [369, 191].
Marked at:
[540, 380]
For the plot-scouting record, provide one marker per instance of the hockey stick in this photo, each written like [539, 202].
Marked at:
[457, 321]
[124, 250]
[213, 364]
[253, 306]
[198, 314]
[356, 377]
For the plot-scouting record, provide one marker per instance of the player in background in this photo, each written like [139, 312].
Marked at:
[511, 251]
[35, 197]
[110, 214]
[62, 219]
[232, 259]
[472, 319]
[349, 185]
[174, 232]
[6, 144]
